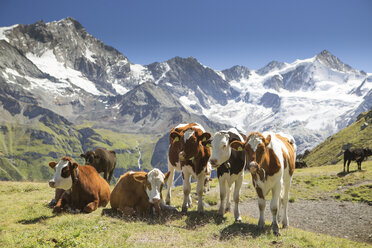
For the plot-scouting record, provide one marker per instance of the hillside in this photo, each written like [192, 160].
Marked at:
[357, 135]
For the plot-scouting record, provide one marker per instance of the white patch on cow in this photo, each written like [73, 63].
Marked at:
[156, 178]
[187, 135]
[235, 131]
[61, 182]
[181, 125]
[199, 127]
[131, 172]
[221, 151]
[254, 141]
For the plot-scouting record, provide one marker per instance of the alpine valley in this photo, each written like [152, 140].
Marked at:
[62, 92]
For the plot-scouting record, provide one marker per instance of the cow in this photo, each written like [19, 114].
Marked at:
[138, 193]
[187, 154]
[358, 155]
[300, 164]
[230, 167]
[85, 189]
[102, 160]
[270, 158]
[208, 178]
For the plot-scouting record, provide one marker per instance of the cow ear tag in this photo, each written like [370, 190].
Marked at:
[176, 139]
[240, 148]
[208, 145]
[204, 139]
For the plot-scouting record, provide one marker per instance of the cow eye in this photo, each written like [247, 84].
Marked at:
[65, 173]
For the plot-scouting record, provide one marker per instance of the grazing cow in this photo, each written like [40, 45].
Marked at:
[358, 155]
[230, 167]
[139, 192]
[85, 189]
[271, 160]
[187, 154]
[103, 160]
[300, 164]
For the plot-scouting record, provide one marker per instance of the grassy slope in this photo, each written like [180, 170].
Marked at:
[330, 151]
[27, 222]
[24, 158]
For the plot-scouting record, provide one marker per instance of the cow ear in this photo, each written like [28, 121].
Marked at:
[175, 136]
[52, 164]
[82, 155]
[205, 136]
[237, 145]
[207, 143]
[140, 178]
[75, 165]
[267, 140]
[166, 175]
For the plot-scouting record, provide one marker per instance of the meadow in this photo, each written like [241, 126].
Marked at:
[27, 221]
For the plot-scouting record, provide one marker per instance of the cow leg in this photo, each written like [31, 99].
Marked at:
[90, 207]
[238, 185]
[110, 176]
[345, 160]
[348, 163]
[169, 183]
[261, 207]
[223, 186]
[228, 196]
[274, 207]
[199, 191]
[105, 175]
[186, 191]
[284, 201]
[359, 165]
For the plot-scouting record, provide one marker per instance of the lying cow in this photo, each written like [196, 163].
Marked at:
[85, 189]
[230, 167]
[358, 155]
[102, 160]
[139, 192]
[271, 160]
[187, 154]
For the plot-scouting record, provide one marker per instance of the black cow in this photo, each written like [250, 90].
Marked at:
[102, 160]
[358, 155]
[301, 164]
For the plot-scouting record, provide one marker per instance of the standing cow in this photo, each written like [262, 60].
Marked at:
[103, 160]
[271, 160]
[139, 192]
[187, 154]
[230, 167]
[85, 189]
[358, 155]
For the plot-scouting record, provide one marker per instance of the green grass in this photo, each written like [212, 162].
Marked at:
[331, 150]
[26, 221]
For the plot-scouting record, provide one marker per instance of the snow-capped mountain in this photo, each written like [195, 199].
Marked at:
[59, 66]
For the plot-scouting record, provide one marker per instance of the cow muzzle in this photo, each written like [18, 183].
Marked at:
[252, 167]
[214, 163]
[182, 156]
[52, 184]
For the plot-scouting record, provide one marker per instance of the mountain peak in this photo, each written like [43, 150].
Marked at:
[270, 67]
[328, 59]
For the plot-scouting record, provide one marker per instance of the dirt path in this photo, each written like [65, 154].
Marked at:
[341, 219]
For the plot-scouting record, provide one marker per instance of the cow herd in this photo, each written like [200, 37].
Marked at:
[269, 157]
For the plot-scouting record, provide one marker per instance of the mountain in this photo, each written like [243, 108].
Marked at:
[57, 73]
[357, 135]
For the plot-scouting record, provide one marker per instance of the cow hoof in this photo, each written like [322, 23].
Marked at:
[277, 233]
[167, 202]
[227, 209]
[57, 210]
[184, 210]
[238, 220]
[285, 226]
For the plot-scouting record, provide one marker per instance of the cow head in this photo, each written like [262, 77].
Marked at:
[65, 173]
[153, 183]
[90, 158]
[192, 139]
[367, 151]
[254, 148]
[221, 151]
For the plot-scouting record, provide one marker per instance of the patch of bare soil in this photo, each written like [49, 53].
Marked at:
[341, 219]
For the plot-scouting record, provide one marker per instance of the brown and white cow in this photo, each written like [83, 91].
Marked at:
[85, 189]
[271, 160]
[102, 160]
[230, 167]
[139, 192]
[187, 154]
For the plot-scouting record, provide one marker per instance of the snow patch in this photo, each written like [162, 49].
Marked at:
[3, 30]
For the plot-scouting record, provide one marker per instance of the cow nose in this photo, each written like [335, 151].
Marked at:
[52, 184]
[213, 162]
[156, 201]
[252, 167]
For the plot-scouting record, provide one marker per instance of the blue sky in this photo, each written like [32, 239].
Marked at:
[218, 33]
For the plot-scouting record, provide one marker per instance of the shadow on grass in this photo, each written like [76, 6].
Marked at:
[243, 229]
[195, 219]
[35, 220]
[343, 174]
[149, 219]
